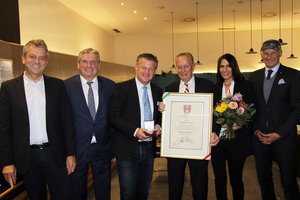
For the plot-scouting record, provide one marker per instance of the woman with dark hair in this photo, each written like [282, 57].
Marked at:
[230, 81]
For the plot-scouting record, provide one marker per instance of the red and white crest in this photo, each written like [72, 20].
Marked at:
[187, 109]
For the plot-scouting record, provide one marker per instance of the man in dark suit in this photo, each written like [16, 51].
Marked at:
[133, 113]
[188, 83]
[36, 129]
[278, 110]
[90, 97]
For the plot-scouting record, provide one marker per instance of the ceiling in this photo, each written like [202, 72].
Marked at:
[110, 14]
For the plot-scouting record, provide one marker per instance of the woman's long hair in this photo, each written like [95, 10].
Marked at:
[236, 73]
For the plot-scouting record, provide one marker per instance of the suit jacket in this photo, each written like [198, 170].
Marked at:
[282, 111]
[84, 124]
[14, 123]
[125, 117]
[240, 146]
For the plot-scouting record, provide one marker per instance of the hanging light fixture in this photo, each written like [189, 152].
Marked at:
[280, 39]
[251, 51]
[261, 25]
[292, 56]
[233, 32]
[197, 17]
[173, 52]
[222, 5]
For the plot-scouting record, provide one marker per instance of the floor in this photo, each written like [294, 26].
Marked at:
[159, 186]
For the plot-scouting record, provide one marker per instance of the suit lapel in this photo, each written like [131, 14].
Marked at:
[80, 95]
[101, 95]
[260, 83]
[197, 85]
[22, 96]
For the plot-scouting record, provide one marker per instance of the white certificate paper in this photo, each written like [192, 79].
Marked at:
[187, 125]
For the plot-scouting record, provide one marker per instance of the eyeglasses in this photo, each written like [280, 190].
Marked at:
[86, 62]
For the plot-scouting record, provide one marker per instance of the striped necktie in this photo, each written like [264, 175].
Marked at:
[186, 90]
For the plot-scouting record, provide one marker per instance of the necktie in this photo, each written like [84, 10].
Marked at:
[147, 108]
[269, 74]
[91, 101]
[186, 90]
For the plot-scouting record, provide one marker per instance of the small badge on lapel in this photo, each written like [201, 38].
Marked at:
[281, 81]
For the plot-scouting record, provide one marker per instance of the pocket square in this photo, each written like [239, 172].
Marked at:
[281, 81]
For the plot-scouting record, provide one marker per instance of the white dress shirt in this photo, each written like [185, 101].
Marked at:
[36, 106]
[140, 93]
[224, 94]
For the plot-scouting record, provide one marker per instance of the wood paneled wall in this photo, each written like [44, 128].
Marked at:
[63, 66]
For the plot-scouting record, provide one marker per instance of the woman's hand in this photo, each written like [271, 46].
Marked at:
[214, 139]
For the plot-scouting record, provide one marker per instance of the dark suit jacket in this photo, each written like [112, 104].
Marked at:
[124, 116]
[282, 111]
[240, 146]
[84, 124]
[14, 123]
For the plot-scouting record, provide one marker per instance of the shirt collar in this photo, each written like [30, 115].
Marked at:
[84, 81]
[141, 85]
[275, 69]
[29, 81]
[190, 83]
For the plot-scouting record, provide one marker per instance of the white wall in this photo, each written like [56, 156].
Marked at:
[63, 30]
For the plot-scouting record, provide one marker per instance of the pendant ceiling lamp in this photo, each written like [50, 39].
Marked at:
[233, 32]
[197, 18]
[292, 56]
[280, 39]
[173, 51]
[222, 6]
[261, 26]
[251, 51]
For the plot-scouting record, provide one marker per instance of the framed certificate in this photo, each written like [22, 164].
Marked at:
[187, 125]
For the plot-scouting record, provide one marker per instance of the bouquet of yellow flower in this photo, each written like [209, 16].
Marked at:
[233, 111]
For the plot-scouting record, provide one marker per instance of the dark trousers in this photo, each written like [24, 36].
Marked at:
[235, 169]
[44, 171]
[135, 172]
[198, 174]
[101, 170]
[283, 152]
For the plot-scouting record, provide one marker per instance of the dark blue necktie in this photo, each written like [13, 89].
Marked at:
[269, 74]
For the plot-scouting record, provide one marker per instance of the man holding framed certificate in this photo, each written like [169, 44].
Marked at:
[176, 166]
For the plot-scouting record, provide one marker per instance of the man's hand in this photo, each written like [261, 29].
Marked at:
[267, 138]
[71, 164]
[10, 174]
[161, 107]
[157, 130]
[142, 134]
[214, 139]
